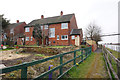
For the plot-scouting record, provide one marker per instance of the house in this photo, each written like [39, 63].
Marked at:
[58, 30]
[13, 32]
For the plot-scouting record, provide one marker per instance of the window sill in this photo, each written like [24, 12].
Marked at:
[64, 28]
[51, 37]
[64, 39]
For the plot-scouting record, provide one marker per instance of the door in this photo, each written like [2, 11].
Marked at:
[77, 40]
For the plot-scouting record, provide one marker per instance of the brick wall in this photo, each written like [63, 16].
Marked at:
[59, 31]
[29, 34]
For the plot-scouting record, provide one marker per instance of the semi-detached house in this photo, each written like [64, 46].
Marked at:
[61, 30]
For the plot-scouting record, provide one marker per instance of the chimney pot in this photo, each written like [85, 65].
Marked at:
[61, 13]
[42, 16]
[17, 21]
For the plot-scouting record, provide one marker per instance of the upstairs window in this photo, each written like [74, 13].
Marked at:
[57, 37]
[12, 31]
[46, 27]
[27, 29]
[52, 33]
[27, 39]
[73, 37]
[64, 37]
[64, 25]
[41, 27]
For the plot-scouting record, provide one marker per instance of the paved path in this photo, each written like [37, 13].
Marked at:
[99, 50]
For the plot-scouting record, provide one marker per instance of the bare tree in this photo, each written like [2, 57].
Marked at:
[93, 32]
[39, 34]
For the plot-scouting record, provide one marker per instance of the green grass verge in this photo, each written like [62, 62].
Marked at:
[81, 70]
[94, 64]
[58, 46]
[115, 53]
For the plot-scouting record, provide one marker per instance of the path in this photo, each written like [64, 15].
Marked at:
[92, 67]
[97, 68]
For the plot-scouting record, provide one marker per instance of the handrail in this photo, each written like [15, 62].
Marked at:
[24, 66]
[106, 53]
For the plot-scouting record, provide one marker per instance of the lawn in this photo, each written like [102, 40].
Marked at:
[115, 53]
[92, 67]
[58, 46]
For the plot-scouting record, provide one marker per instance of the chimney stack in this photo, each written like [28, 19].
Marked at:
[42, 16]
[61, 13]
[17, 21]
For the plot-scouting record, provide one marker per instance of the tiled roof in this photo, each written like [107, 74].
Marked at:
[14, 25]
[75, 31]
[51, 20]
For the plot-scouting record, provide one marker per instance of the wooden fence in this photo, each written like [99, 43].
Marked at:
[113, 64]
[85, 52]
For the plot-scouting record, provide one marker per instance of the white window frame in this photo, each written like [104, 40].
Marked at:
[64, 25]
[41, 27]
[27, 39]
[31, 38]
[45, 26]
[52, 32]
[12, 31]
[64, 36]
[27, 29]
[58, 37]
[73, 37]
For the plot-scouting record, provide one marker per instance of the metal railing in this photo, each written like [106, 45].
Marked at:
[85, 52]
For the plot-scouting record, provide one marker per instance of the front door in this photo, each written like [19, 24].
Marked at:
[77, 40]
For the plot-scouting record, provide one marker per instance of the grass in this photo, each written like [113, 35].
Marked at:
[115, 53]
[41, 55]
[58, 46]
[81, 70]
[86, 69]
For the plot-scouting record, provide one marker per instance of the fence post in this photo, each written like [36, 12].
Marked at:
[82, 55]
[118, 68]
[61, 61]
[74, 57]
[86, 53]
[24, 73]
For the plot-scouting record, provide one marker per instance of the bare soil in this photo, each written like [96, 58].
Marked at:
[10, 57]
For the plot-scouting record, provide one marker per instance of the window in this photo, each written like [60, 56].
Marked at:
[57, 37]
[52, 33]
[27, 29]
[73, 37]
[46, 27]
[64, 37]
[11, 31]
[31, 38]
[27, 38]
[41, 27]
[64, 25]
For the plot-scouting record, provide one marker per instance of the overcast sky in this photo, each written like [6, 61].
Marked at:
[104, 13]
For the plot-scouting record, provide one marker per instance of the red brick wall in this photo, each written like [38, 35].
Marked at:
[29, 34]
[73, 23]
[59, 31]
